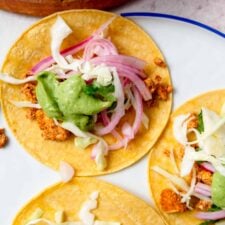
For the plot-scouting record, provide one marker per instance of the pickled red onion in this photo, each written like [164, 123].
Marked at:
[208, 166]
[144, 91]
[119, 110]
[211, 215]
[130, 61]
[120, 66]
[203, 189]
[99, 47]
[46, 62]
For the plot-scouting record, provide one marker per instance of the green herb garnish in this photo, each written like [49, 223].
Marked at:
[99, 91]
[200, 127]
[208, 222]
[214, 208]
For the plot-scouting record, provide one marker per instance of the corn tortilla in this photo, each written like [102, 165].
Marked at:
[211, 100]
[114, 204]
[34, 45]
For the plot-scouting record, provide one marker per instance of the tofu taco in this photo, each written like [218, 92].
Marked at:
[86, 201]
[86, 87]
[187, 165]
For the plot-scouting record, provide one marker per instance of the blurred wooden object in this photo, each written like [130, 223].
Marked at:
[46, 7]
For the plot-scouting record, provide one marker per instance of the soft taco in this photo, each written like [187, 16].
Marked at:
[108, 86]
[187, 165]
[86, 201]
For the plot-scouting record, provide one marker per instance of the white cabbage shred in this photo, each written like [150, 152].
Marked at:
[66, 171]
[25, 104]
[211, 144]
[12, 80]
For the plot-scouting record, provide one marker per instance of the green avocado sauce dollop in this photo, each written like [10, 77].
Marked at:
[218, 190]
[69, 100]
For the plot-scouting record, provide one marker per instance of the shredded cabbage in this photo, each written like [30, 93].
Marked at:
[101, 73]
[180, 128]
[187, 163]
[25, 104]
[12, 80]
[74, 129]
[213, 138]
[59, 31]
[181, 183]
[59, 216]
[202, 156]
[66, 171]
[145, 121]
[100, 149]
[85, 215]
[211, 142]
[187, 196]
[38, 213]
[84, 142]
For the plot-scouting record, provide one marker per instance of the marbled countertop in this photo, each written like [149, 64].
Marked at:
[210, 12]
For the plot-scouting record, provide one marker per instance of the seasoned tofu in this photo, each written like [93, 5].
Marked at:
[170, 202]
[50, 130]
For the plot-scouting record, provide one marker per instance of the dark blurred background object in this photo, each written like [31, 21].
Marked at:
[46, 7]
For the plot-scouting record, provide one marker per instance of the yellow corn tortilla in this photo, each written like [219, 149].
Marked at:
[211, 100]
[114, 204]
[34, 45]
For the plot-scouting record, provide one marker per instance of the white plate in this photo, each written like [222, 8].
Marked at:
[196, 60]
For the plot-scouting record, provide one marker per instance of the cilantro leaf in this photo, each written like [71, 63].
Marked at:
[200, 127]
[99, 91]
[214, 208]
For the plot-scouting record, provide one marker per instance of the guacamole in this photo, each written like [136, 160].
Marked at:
[218, 190]
[69, 100]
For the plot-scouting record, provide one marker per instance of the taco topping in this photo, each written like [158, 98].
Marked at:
[201, 181]
[3, 138]
[85, 215]
[88, 96]
[66, 171]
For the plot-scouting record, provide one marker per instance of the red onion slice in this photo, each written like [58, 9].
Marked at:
[99, 47]
[119, 110]
[203, 186]
[211, 215]
[203, 189]
[130, 61]
[138, 105]
[208, 166]
[144, 91]
[118, 66]
[202, 192]
[46, 62]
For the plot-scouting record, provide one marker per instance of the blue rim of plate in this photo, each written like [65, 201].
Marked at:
[172, 17]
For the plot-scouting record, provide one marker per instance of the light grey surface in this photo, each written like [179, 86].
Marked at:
[211, 12]
[195, 57]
